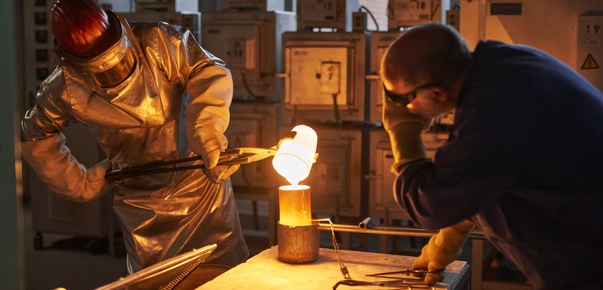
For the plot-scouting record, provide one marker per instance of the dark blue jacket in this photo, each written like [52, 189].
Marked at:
[524, 161]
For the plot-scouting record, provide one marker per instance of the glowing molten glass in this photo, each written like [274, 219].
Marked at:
[294, 157]
[295, 205]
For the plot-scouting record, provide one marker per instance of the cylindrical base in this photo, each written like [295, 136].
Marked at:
[298, 244]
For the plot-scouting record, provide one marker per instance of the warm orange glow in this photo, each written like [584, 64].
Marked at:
[294, 157]
[294, 205]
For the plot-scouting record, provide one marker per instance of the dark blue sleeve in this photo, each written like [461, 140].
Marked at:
[473, 169]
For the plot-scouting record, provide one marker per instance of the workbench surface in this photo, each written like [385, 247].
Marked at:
[264, 271]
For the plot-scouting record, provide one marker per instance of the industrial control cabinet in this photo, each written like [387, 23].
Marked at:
[382, 203]
[325, 76]
[250, 45]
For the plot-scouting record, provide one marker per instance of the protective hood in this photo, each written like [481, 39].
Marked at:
[134, 102]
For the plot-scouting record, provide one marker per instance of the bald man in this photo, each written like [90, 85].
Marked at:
[524, 160]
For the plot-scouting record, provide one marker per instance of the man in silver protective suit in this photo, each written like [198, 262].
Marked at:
[148, 93]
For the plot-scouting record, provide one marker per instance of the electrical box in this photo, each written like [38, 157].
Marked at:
[325, 14]
[335, 179]
[558, 27]
[382, 203]
[377, 14]
[407, 13]
[250, 45]
[336, 15]
[325, 75]
[253, 5]
[379, 42]
[190, 20]
[254, 124]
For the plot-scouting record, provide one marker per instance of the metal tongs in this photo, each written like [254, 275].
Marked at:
[395, 280]
[232, 156]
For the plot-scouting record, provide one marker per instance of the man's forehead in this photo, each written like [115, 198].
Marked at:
[392, 82]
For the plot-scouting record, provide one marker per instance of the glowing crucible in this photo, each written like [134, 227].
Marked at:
[293, 160]
[294, 157]
[298, 239]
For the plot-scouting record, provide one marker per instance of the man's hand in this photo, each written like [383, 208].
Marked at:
[208, 142]
[404, 129]
[443, 248]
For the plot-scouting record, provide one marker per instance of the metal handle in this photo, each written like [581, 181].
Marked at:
[373, 76]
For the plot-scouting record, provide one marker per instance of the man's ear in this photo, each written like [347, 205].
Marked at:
[440, 94]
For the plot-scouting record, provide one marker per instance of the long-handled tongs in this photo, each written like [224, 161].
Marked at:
[232, 156]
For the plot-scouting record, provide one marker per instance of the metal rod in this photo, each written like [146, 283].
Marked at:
[365, 222]
[393, 231]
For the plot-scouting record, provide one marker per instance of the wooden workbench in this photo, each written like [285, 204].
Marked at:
[264, 271]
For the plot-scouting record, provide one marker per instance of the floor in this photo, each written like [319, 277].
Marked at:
[68, 262]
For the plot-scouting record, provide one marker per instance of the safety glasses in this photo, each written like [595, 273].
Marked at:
[405, 99]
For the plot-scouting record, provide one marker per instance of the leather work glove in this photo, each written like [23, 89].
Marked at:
[220, 173]
[404, 129]
[208, 142]
[443, 248]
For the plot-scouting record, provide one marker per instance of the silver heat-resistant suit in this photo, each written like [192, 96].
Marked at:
[176, 91]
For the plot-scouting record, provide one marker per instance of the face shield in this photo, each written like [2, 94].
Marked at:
[111, 67]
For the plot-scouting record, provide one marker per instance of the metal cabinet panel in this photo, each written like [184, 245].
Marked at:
[325, 76]
[559, 27]
[250, 45]
[190, 20]
[407, 13]
[254, 124]
[379, 42]
[382, 203]
[336, 177]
